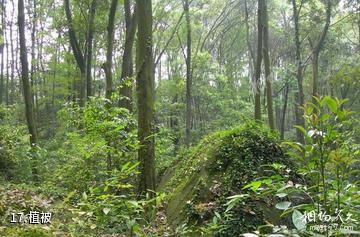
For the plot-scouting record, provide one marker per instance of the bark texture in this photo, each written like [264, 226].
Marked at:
[109, 50]
[259, 56]
[29, 108]
[145, 95]
[79, 57]
[299, 76]
[127, 59]
[89, 49]
[188, 74]
[268, 82]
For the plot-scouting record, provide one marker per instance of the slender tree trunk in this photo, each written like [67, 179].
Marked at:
[107, 66]
[127, 59]
[250, 49]
[188, 75]
[299, 76]
[53, 105]
[286, 96]
[12, 67]
[145, 97]
[7, 68]
[2, 51]
[315, 73]
[33, 35]
[25, 76]
[2, 77]
[79, 57]
[33, 64]
[256, 83]
[269, 99]
[89, 44]
[316, 49]
[41, 91]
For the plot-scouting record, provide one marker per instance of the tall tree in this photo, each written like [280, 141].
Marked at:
[78, 54]
[89, 47]
[248, 43]
[2, 36]
[29, 108]
[269, 100]
[145, 97]
[32, 54]
[6, 87]
[107, 66]
[11, 86]
[127, 58]
[285, 105]
[259, 56]
[316, 46]
[299, 75]
[188, 73]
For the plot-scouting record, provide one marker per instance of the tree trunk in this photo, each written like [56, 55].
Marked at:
[53, 109]
[107, 66]
[12, 67]
[127, 58]
[269, 99]
[25, 76]
[145, 98]
[188, 75]
[256, 83]
[299, 77]
[89, 44]
[316, 49]
[7, 68]
[79, 57]
[282, 126]
[2, 34]
[33, 64]
[315, 73]
[248, 43]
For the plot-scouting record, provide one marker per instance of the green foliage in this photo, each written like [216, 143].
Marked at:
[95, 141]
[107, 207]
[15, 160]
[327, 162]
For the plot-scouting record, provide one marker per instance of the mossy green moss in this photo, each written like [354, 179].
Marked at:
[217, 168]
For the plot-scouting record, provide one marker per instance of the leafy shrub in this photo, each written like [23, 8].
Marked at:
[326, 161]
[95, 141]
[15, 160]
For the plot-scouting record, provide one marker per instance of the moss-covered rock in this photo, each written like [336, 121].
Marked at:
[199, 184]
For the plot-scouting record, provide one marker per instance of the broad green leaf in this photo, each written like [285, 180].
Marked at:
[250, 235]
[297, 218]
[300, 128]
[84, 195]
[281, 195]
[332, 104]
[106, 210]
[253, 185]
[283, 205]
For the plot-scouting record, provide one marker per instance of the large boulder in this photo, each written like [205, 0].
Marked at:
[200, 182]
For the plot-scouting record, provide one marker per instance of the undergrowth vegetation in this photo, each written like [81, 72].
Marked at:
[241, 180]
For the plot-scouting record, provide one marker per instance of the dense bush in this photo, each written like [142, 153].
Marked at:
[15, 159]
[327, 161]
[95, 141]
